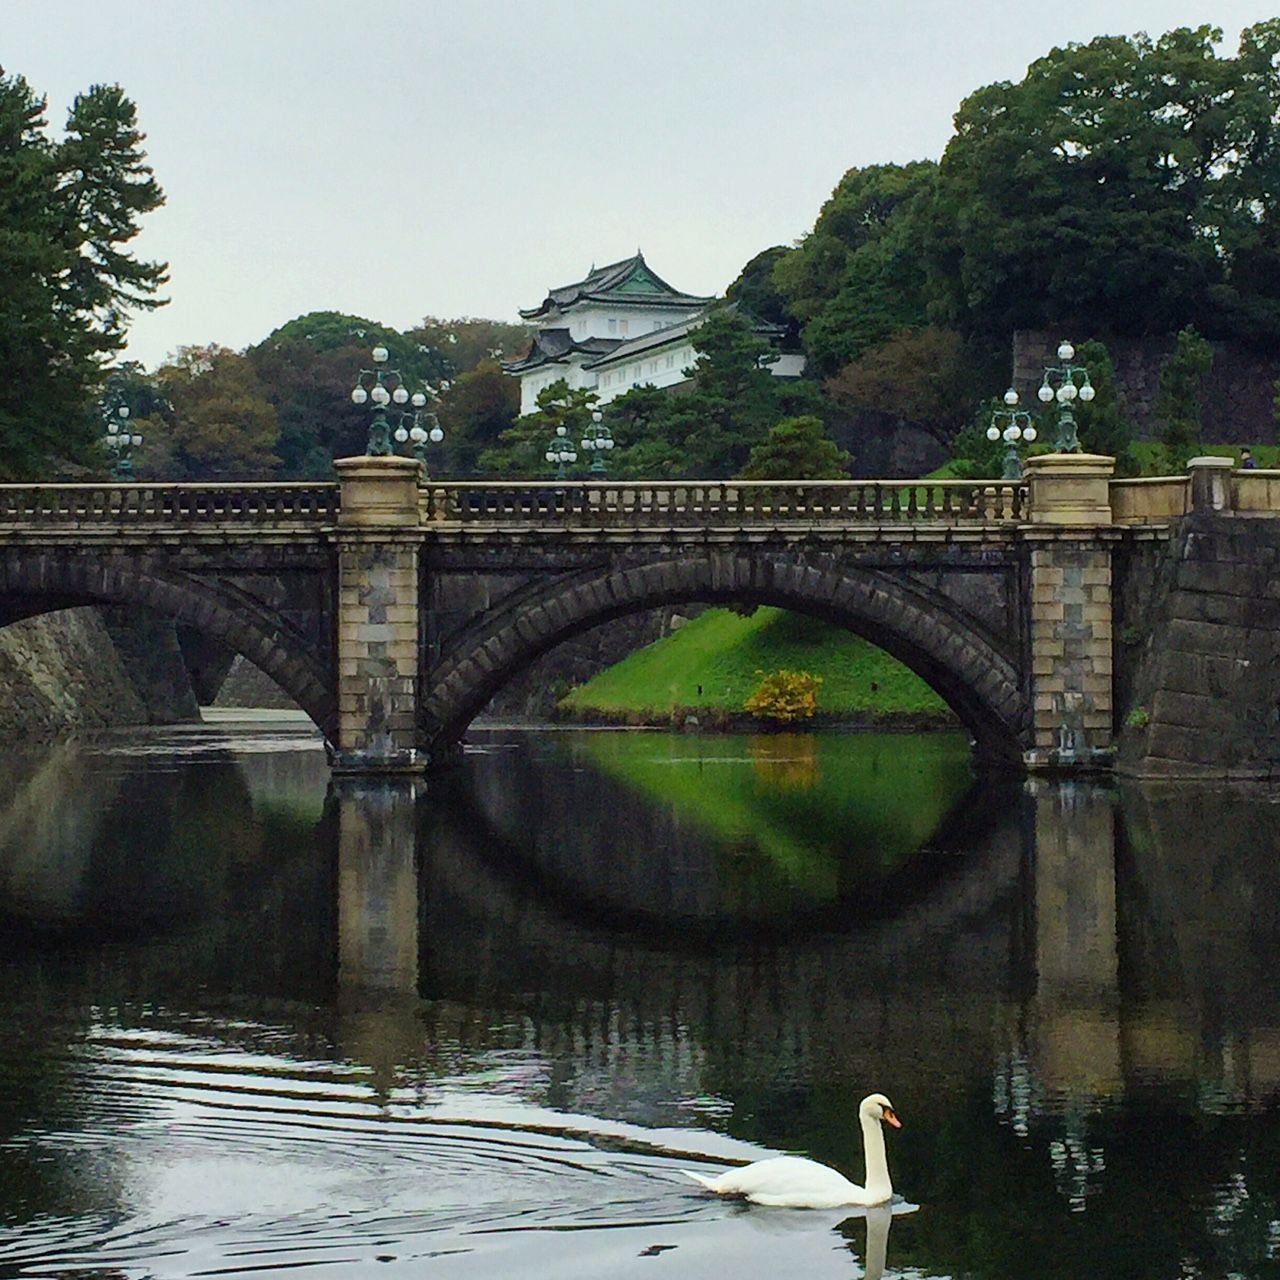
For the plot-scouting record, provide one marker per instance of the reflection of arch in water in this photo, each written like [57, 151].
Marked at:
[604, 995]
[699, 919]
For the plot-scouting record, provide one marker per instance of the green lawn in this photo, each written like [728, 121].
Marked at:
[714, 661]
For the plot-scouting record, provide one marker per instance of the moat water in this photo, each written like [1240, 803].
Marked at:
[258, 1021]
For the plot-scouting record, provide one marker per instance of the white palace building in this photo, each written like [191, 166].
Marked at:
[620, 327]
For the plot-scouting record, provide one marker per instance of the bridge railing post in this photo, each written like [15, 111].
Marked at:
[1069, 532]
[378, 652]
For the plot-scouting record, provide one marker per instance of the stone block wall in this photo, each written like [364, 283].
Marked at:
[1202, 646]
[1235, 397]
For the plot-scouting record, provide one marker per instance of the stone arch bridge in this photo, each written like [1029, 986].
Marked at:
[391, 608]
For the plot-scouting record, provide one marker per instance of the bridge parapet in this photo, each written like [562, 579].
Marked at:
[601, 504]
[49, 506]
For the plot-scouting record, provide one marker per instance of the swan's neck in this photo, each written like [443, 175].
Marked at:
[877, 1183]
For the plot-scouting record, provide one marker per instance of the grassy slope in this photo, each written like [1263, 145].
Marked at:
[724, 654]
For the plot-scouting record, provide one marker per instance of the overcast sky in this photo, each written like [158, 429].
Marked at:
[417, 157]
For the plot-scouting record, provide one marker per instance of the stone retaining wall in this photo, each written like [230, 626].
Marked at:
[1198, 631]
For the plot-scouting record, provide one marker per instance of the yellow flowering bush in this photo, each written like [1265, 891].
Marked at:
[785, 696]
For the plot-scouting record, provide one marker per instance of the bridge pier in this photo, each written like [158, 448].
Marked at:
[378, 546]
[1070, 540]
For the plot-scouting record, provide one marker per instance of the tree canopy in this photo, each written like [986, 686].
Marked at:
[1124, 186]
[68, 210]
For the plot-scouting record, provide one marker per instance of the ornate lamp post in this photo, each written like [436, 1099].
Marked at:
[1066, 390]
[597, 440]
[122, 443]
[382, 386]
[1019, 425]
[561, 453]
[425, 429]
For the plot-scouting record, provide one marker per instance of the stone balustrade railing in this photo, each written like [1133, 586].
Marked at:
[87, 505]
[730, 502]
[633, 504]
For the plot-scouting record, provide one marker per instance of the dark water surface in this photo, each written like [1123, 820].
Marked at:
[255, 1021]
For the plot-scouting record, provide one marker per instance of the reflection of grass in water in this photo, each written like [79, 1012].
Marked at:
[820, 813]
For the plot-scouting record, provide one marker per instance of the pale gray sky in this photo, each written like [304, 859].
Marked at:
[418, 157]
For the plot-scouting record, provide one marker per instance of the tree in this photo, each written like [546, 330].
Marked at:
[1104, 428]
[797, 449]
[221, 425]
[756, 293]
[858, 277]
[307, 369]
[922, 376]
[521, 446]
[475, 411]
[1123, 186]
[67, 211]
[1177, 404]
[733, 400]
[468, 342]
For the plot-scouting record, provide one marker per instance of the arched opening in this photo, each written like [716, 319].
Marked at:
[44, 583]
[978, 680]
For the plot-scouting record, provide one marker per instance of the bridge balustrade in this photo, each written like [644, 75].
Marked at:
[724, 503]
[126, 504]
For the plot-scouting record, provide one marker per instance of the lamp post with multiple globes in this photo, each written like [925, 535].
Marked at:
[561, 453]
[1061, 384]
[424, 428]
[383, 386]
[597, 440]
[122, 442]
[1019, 426]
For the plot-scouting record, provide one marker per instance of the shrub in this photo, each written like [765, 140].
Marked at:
[785, 696]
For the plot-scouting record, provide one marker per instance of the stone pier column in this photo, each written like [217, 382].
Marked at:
[378, 659]
[1070, 537]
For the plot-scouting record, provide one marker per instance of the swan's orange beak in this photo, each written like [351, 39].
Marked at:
[891, 1118]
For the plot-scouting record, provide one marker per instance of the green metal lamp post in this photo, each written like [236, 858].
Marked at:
[560, 452]
[382, 386]
[426, 429]
[1019, 426]
[1067, 389]
[122, 442]
[597, 440]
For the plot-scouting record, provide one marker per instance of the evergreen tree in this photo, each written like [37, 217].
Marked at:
[68, 210]
[797, 449]
[1177, 405]
[1104, 428]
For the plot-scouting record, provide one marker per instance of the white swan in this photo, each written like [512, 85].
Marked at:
[795, 1183]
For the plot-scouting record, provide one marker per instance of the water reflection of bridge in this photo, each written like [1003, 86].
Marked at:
[1092, 967]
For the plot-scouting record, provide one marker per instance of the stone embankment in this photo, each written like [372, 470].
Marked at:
[90, 668]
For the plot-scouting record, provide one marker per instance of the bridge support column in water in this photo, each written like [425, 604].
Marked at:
[378, 542]
[1070, 614]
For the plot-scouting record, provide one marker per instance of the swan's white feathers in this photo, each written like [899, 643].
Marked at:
[794, 1182]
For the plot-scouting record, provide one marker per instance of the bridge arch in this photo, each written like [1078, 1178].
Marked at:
[982, 684]
[45, 582]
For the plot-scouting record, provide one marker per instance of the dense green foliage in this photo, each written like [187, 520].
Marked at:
[797, 449]
[1177, 407]
[714, 661]
[68, 209]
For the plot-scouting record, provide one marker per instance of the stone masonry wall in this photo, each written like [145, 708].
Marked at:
[1202, 646]
[1235, 397]
[60, 672]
